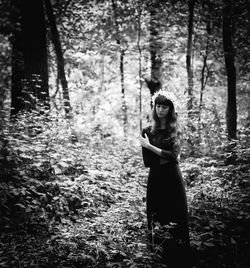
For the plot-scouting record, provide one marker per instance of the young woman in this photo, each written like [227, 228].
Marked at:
[166, 197]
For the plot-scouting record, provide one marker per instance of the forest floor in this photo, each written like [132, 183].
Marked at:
[90, 211]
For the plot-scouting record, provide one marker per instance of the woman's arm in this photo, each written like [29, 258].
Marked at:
[146, 144]
[168, 155]
[149, 158]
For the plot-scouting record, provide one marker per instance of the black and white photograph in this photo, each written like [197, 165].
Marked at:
[124, 134]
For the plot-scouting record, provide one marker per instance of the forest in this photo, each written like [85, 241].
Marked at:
[76, 81]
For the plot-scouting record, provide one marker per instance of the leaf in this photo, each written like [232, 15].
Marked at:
[63, 164]
[209, 244]
[233, 242]
[20, 205]
[28, 209]
[15, 192]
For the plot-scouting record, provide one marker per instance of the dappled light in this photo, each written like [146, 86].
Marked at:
[76, 86]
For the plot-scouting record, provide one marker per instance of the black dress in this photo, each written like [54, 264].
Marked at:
[166, 196]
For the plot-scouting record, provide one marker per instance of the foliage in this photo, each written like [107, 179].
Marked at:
[82, 203]
[72, 193]
[88, 34]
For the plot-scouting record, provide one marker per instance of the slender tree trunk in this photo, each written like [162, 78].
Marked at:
[248, 21]
[3, 112]
[140, 65]
[205, 69]
[203, 84]
[231, 112]
[124, 105]
[35, 52]
[102, 71]
[17, 73]
[17, 61]
[59, 57]
[189, 67]
[155, 81]
[122, 53]
[204, 77]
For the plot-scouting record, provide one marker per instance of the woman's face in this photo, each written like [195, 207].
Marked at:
[161, 110]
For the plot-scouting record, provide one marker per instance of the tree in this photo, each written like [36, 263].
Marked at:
[189, 66]
[122, 54]
[15, 36]
[155, 48]
[29, 78]
[59, 56]
[5, 57]
[17, 74]
[139, 12]
[231, 113]
[33, 30]
[205, 71]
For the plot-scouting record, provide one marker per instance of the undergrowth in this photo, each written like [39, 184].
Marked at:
[80, 201]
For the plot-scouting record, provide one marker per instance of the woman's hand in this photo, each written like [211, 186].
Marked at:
[144, 141]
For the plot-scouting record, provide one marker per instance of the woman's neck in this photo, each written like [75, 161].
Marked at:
[163, 124]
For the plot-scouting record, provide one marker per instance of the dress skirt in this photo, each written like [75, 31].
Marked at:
[166, 199]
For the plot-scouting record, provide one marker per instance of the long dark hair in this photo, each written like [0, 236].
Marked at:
[171, 116]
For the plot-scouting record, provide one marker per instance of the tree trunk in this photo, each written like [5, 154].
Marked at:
[139, 10]
[17, 73]
[248, 21]
[17, 61]
[3, 113]
[155, 82]
[205, 69]
[122, 53]
[29, 57]
[231, 112]
[189, 67]
[124, 105]
[59, 57]
[35, 53]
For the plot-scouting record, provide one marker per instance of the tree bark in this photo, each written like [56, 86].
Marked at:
[205, 69]
[124, 105]
[189, 66]
[17, 73]
[29, 57]
[35, 53]
[59, 57]
[5, 86]
[122, 53]
[139, 10]
[231, 112]
[191, 138]
[155, 43]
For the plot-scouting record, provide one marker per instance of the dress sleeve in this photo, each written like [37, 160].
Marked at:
[173, 153]
[149, 158]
